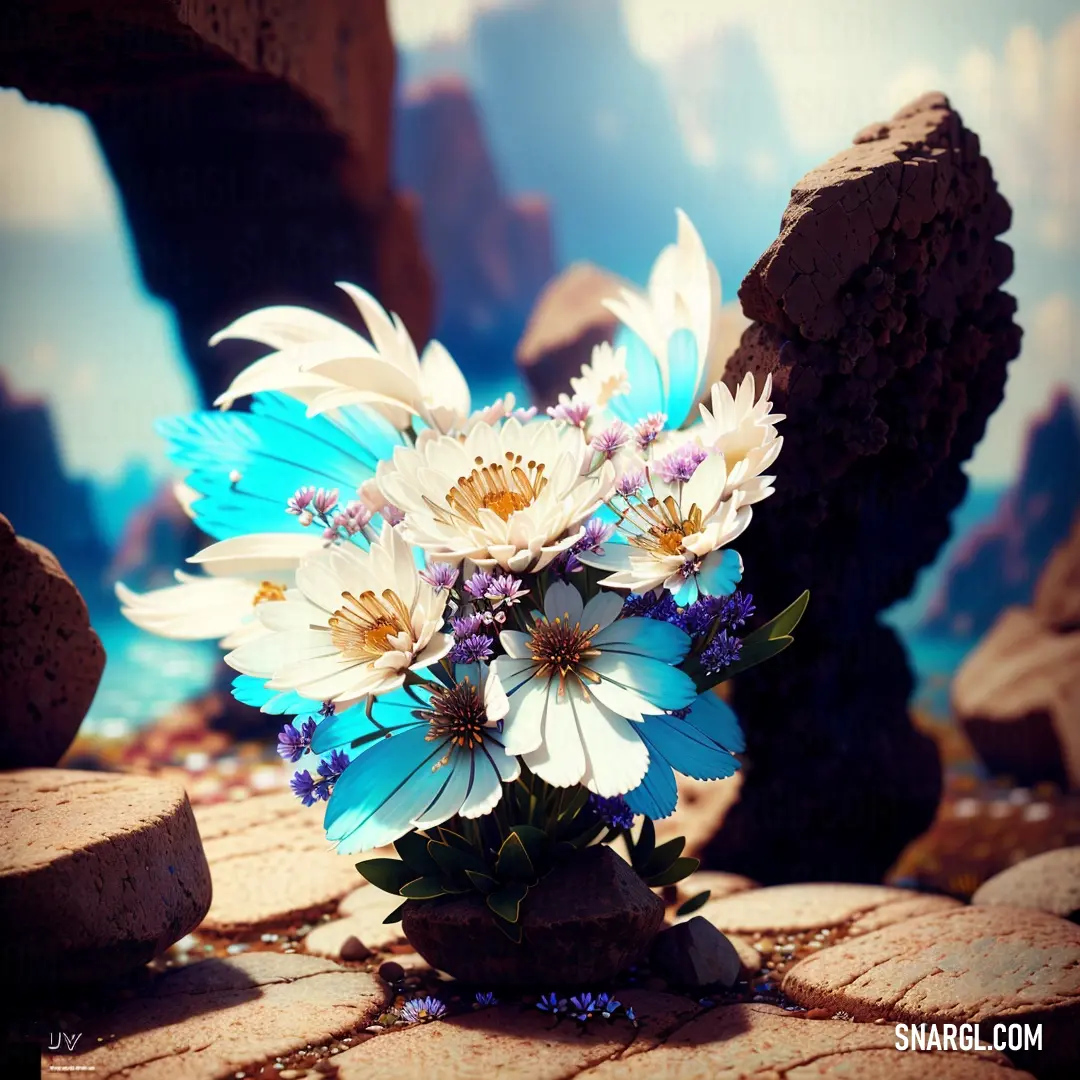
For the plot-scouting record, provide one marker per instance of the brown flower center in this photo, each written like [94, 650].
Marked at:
[456, 714]
[362, 626]
[562, 648]
[268, 592]
[501, 487]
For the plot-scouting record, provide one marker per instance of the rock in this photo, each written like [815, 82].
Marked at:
[743, 1041]
[275, 124]
[50, 659]
[99, 873]
[366, 925]
[567, 321]
[796, 908]
[390, 971]
[1049, 882]
[750, 960]
[510, 1041]
[694, 954]
[353, 949]
[271, 863]
[716, 883]
[214, 1017]
[589, 919]
[879, 315]
[1017, 697]
[998, 564]
[1057, 593]
[980, 965]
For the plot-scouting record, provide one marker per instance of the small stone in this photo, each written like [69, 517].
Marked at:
[292, 1074]
[237, 949]
[391, 972]
[352, 948]
[695, 954]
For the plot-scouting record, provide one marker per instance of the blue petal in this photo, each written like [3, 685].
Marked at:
[276, 449]
[720, 572]
[649, 637]
[715, 719]
[687, 749]
[391, 712]
[684, 375]
[646, 393]
[662, 684]
[377, 796]
[656, 795]
[687, 591]
[251, 691]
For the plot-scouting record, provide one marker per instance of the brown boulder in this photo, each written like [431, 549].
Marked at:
[694, 954]
[1017, 697]
[1057, 594]
[980, 965]
[214, 1017]
[587, 920]
[51, 660]
[1049, 882]
[271, 863]
[99, 873]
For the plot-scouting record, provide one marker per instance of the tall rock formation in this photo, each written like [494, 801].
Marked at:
[251, 147]
[879, 315]
[998, 565]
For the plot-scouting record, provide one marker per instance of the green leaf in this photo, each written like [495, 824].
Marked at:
[534, 841]
[695, 903]
[583, 839]
[448, 836]
[513, 863]
[395, 915]
[642, 849]
[413, 849]
[386, 874]
[425, 888]
[575, 805]
[506, 901]
[452, 862]
[484, 883]
[679, 869]
[783, 624]
[511, 929]
[663, 856]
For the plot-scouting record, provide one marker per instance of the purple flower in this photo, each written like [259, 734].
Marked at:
[678, 466]
[630, 483]
[646, 431]
[552, 1004]
[421, 1010]
[293, 744]
[739, 608]
[572, 410]
[325, 500]
[474, 649]
[596, 533]
[611, 440]
[607, 1006]
[614, 811]
[630, 1015]
[484, 1000]
[306, 788]
[505, 589]
[478, 585]
[524, 415]
[353, 518]
[299, 500]
[332, 767]
[327, 709]
[391, 514]
[440, 576]
[583, 1006]
[466, 625]
[650, 606]
[701, 614]
[722, 651]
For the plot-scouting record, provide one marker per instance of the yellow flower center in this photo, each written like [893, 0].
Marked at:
[268, 592]
[362, 627]
[562, 648]
[501, 487]
[658, 526]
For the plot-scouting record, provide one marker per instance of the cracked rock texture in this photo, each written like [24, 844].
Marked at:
[523, 1044]
[99, 873]
[1049, 882]
[271, 863]
[250, 144]
[972, 964]
[362, 911]
[51, 659]
[794, 908]
[740, 1042]
[214, 1017]
[879, 314]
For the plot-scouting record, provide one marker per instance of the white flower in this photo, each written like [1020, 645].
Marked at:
[603, 377]
[356, 623]
[577, 683]
[241, 574]
[744, 432]
[673, 528]
[327, 365]
[677, 319]
[510, 496]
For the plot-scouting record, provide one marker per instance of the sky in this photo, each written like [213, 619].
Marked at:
[77, 327]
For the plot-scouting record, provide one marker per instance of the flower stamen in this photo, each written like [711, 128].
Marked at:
[503, 488]
[457, 714]
[269, 592]
[362, 627]
[562, 648]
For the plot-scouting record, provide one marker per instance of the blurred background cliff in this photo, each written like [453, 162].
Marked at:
[458, 158]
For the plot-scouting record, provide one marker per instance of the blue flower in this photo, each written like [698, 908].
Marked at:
[630, 1015]
[293, 744]
[701, 744]
[306, 788]
[613, 811]
[582, 1007]
[473, 649]
[607, 1005]
[551, 1003]
[422, 756]
[422, 1010]
[721, 652]
[485, 1000]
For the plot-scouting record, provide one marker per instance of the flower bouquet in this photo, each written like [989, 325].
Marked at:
[496, 635]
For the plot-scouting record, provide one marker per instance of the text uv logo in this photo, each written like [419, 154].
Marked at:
[60, 1040]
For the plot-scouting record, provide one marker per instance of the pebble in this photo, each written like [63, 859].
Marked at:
[352, 948]
[391, 972]
[292, 1074]
[239, 947]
